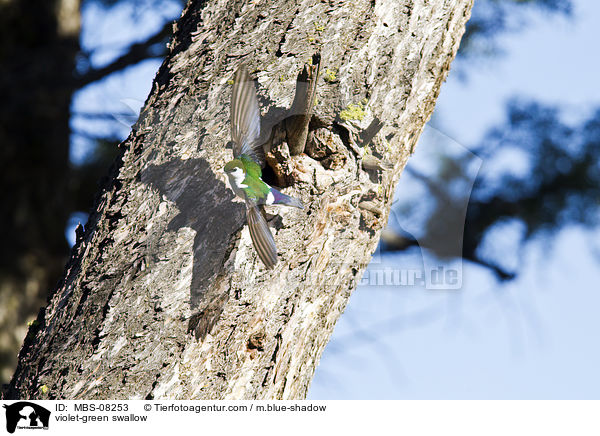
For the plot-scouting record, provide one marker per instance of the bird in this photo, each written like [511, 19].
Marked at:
[244, 172]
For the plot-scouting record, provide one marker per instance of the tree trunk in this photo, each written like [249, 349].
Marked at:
[164, 296]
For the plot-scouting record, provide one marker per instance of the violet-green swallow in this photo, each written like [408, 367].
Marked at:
[245, 170]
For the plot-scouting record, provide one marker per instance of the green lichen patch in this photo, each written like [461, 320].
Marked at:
[329, 76]
[353, 112]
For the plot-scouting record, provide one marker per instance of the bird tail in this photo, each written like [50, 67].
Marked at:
[262, 238]
[286, 200]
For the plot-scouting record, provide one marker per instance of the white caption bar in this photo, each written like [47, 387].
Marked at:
[300, 417]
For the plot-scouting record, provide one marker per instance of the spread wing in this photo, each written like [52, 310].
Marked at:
[245, 118]
[262, 238]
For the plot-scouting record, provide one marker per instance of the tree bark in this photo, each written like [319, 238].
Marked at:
[164, 296]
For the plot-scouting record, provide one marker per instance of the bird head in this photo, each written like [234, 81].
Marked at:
[233, 165]
[235, 171]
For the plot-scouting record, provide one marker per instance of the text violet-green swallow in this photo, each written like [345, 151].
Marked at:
[244, 171]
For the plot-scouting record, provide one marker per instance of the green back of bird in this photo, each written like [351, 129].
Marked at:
[257, 189]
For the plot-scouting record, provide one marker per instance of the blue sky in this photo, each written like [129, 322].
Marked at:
[535, 337]
[553, 60]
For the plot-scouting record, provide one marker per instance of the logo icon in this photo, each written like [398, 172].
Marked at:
[26, 415]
